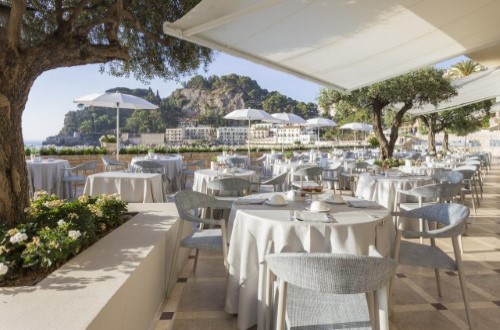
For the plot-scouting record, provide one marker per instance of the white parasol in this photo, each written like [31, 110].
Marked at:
[115, 100]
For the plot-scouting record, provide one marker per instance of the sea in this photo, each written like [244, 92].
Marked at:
[33, 143]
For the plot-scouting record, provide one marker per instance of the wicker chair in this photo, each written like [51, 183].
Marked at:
[350, 174]
[188, 171]
[277, 182]
[77, 175]
[312, 173]
[233, 186]
[148, 166]
[111, 164]
[327, 291]
[469, 185]
[434, 193]
[448, 176]
[332, 175]
[452, 218]
[188, 204]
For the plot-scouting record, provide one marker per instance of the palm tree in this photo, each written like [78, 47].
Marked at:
[464, 69]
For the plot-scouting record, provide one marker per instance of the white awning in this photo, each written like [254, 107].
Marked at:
[474, 88]
[344, 44]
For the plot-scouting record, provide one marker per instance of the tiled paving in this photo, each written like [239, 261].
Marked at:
[197, 301]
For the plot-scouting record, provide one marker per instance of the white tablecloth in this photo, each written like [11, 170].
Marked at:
[223, 158]
[383, 189]
[279, 168]
[251, 227]
[132, 187]
[172, 167]
[422, 170]
[201, 177]
[46, 175]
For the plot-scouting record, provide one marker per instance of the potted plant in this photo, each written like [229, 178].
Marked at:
[213, 162]
[288, 155]
[108, 142]
[151, 153]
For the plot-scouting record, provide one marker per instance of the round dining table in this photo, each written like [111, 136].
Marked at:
[223, 158]
[46, 175]
[252, 226]
[172, 167]
[201, 177]
[383, 189]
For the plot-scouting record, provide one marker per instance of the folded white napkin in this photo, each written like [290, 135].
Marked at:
[363, 204]
[246, 201]
[311, 216]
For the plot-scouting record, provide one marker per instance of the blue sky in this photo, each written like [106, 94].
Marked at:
[53, 92]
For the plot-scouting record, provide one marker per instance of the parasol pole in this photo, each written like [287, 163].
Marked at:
[249, 139]
[117, 131]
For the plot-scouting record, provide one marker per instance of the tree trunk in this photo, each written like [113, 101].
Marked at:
[445, 141]
[431, 141]
[431, 135]
[386, 149]
[14, 193]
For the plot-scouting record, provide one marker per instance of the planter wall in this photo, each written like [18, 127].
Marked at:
[118, 283]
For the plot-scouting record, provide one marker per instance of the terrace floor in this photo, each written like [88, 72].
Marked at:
[197, 301]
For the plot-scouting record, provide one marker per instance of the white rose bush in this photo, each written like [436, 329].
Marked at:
[55, 231]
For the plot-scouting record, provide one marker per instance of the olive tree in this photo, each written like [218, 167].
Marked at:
[40, 35]
[398, 94]
[461, 121]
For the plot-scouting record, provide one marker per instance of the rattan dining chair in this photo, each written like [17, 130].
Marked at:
[432, 193]
[331, 176]
[451, 219]
[189, 205]
[469, 185]
[229, 186]
[327, 290]
[448, 176]
[77, 175]
[188, 170]
[148, 166]
[236, 162]
[278, 182]
[312, 173]
[111, 164]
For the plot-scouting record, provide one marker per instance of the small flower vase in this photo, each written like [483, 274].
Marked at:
[33, 157]
[407, 162]
[213, 166]
[151, 154]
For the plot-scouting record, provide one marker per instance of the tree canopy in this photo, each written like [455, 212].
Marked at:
[398, 94]
[36, 36]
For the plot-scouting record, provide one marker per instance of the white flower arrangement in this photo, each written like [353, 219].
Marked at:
[61, 222]
[18, 238]
[3, 269]
[74, 234]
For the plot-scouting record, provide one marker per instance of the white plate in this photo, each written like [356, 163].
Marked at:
[269, 203]
[326, 209]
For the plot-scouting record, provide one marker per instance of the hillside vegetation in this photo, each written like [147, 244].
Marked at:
[206, 99]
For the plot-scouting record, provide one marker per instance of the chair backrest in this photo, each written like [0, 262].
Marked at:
[449, 176]
[333, 273]
[443, 191]
[196, 165]
[148, 166]
[451, 216]
[467, 171]
[238, 185]
[278, 181]
[85, 168]
[312, 173]
[189, 202]
[236, 161]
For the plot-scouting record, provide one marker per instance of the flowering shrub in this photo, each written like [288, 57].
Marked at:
[54, 231]
[389, 162]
